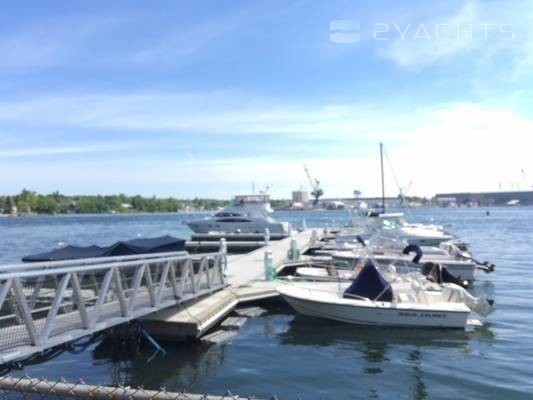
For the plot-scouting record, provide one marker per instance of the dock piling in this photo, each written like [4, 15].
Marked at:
[314, 237]
[294, 253]
[267, 236]
[269, 266]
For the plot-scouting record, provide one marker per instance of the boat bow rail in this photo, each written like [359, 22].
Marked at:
[46, 304]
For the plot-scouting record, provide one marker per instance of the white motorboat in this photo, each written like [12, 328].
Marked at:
[245, 214]
[458, 267]
[402, 300]
[387, 250]
[393, 225]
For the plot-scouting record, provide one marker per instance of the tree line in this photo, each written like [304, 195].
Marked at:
[29, 202]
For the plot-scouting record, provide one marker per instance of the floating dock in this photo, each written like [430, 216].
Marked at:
[235, 242]
[235, 237]
[207, 246]
[246, 282]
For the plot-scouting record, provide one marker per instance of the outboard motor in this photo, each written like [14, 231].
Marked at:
[481, 305]
[439, 274]
[416, 249]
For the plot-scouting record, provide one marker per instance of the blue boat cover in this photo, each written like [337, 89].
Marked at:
[370, 284]
[162, 244]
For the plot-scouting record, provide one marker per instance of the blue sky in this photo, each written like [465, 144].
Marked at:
[203, 98]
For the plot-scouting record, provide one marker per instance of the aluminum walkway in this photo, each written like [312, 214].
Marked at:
[246, 282]
[46, 304]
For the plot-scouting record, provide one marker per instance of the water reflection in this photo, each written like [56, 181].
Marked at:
[311, 331]
[375, 343]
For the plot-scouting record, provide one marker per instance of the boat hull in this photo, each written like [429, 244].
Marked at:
[360, 314]
[253, 226]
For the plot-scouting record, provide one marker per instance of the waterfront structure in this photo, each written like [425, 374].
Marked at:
[486, 198]
[300, 196]
[177, 295]
[372, 202]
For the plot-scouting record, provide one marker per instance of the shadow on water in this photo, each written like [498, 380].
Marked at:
[183, 367]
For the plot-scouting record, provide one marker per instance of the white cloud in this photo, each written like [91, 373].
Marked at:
[479, 31]
[52, 151]
[447, 147]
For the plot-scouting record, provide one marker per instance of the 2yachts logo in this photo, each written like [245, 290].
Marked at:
[344, 31]
[349, 31]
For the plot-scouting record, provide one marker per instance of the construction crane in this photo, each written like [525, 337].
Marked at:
[315, 186]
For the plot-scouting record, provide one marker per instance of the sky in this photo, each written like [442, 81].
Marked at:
[206, 98]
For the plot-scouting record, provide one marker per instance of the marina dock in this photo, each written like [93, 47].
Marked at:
[246, 282]
[176, 295]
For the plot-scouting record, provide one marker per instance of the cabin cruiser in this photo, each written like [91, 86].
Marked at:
[245, 214]
[385, 297]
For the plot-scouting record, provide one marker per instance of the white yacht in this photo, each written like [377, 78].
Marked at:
[245, 214]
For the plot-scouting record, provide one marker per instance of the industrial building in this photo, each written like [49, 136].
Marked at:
[485, 198]
[300, 196]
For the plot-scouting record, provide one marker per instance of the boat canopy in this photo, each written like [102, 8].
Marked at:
[370, 284]
[162, 244]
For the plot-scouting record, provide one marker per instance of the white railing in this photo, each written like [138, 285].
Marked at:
[46, 304]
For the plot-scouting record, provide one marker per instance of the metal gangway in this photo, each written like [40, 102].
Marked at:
[46, 304]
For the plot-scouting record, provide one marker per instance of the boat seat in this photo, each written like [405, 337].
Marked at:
[404, 298]
[425, 296]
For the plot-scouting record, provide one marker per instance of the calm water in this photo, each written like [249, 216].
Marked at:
[292, 356]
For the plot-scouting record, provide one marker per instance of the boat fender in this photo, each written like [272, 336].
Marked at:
[416, 249]
[360, 240]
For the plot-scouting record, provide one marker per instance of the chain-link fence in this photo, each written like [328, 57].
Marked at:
[26, 388]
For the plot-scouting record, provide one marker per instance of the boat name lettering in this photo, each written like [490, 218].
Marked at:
[421, 314]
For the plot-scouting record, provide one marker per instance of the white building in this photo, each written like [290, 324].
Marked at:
[300, 196]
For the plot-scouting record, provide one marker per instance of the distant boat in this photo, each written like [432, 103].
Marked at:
[512, 203]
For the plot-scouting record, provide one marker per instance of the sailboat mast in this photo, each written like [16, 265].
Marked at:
[382, 178]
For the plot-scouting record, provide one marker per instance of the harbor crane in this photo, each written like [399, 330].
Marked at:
[316, 192]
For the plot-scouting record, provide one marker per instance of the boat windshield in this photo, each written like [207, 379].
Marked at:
[223, 214]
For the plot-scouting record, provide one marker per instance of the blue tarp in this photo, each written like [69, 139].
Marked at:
[162, 244]
[370, 284]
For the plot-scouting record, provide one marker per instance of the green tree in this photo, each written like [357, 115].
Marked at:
[46, 205]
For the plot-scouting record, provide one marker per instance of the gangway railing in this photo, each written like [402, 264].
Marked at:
[46, 304]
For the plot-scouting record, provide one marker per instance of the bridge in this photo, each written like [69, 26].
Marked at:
[46, 304]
